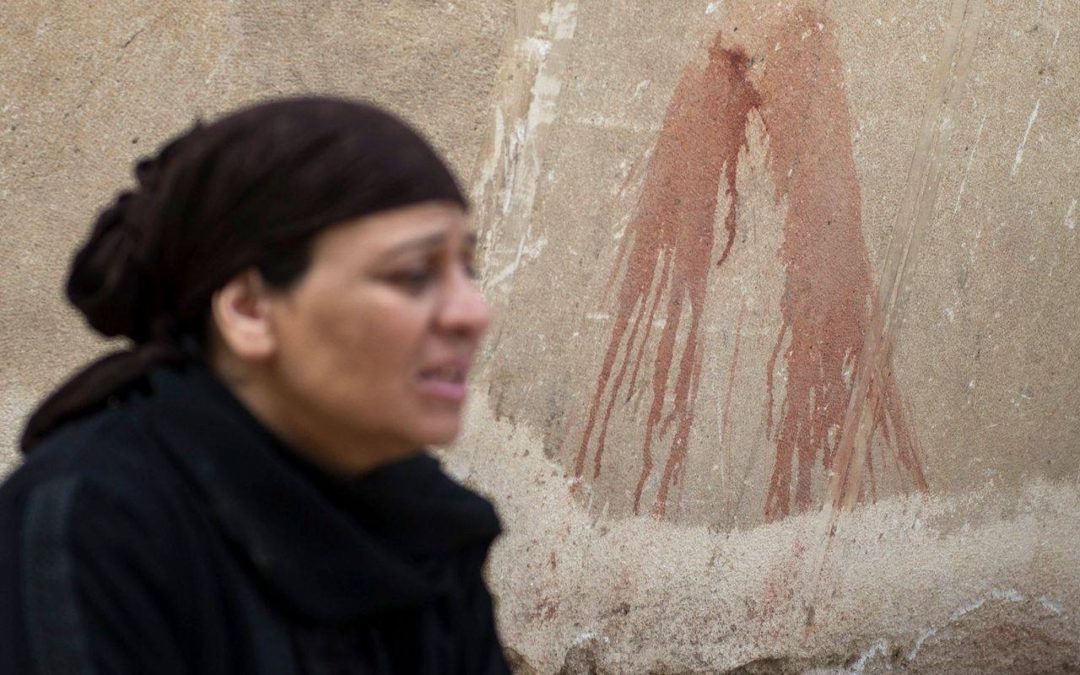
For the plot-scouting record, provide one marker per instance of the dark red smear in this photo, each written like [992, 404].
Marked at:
[829, 298]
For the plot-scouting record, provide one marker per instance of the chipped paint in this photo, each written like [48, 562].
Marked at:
[509, 169]
[878, 648]
[1007, 594]
[1055, 607]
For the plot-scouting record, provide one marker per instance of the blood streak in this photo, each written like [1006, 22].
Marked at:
[671, 243]
[829, 297]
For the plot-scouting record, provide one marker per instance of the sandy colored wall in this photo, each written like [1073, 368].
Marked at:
[784, 372]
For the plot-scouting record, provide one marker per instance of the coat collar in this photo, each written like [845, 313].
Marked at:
[333, 549]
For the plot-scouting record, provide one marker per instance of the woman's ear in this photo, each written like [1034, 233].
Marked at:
[240, 311]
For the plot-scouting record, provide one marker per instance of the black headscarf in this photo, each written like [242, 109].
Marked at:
[254, 186]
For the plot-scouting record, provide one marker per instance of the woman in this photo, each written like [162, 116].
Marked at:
[245, 490]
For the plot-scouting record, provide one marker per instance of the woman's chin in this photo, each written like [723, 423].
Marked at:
[440, 433]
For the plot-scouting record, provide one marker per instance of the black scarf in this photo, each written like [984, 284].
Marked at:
[305, 534]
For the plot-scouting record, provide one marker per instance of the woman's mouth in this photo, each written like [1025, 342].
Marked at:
[446, 382]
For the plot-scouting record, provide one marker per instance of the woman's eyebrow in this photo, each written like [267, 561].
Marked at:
[430, 241]
[425, 242]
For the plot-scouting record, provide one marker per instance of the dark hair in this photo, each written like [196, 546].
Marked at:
[283, 269]
[252, 189]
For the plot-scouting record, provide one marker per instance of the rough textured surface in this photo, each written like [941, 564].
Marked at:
[785, 359]
[969, 583]
[784, 376]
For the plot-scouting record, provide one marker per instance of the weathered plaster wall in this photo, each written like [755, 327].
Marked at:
[784, 373]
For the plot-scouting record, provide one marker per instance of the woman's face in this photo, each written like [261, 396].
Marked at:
[375, 342]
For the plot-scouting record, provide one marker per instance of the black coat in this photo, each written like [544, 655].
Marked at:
[172, 533]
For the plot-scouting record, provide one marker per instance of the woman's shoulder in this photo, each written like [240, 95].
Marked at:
[96, 521]
[111, 445]
[99, 467]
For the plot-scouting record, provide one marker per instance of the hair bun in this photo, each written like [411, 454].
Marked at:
[105, 282]
[108, 282]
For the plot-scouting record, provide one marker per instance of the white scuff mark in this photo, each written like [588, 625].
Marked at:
[641, 87]
[597, 316]
[598, 121]
[526, 251]
[711, 9]
[539, 46]
[849, 367]
[929, 633]
[1023, 141]
[879, 648]
[546, 87]
[512, 172]
[587, 636]
[1070, 219]
[950, 314]
[624, 221]
[487, 169]
[1009, 594]
[563, 20]
[545, 93]
[516, 141]
[1049, 604]
[485, 183]
[967, 168]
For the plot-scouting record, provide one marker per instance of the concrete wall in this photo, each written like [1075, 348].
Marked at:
[784, 373]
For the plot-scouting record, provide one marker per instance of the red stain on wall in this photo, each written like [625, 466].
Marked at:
[725, 420]
[829, 299]
[670, 239]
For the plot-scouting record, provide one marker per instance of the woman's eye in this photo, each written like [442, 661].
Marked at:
[412, 279]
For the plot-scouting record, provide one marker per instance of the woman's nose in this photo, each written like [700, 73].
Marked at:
[464, 309]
